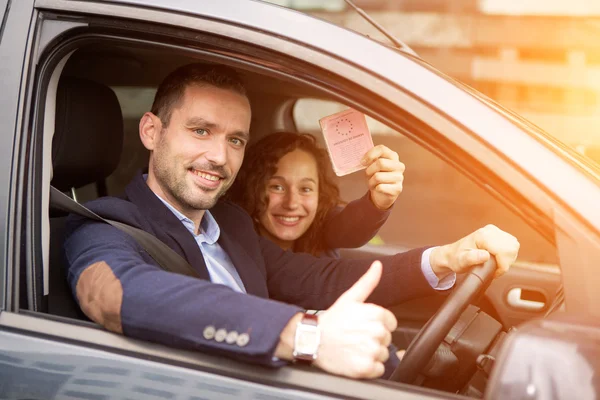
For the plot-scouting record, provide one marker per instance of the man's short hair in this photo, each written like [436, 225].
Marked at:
[171, 90]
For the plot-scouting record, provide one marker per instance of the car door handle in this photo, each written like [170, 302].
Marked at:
[526, 300]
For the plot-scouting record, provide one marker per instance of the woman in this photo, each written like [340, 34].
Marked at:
[286, 186]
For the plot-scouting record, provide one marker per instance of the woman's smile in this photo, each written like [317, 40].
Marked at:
[288, 220]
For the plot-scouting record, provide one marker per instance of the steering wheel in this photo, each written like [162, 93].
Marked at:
[430, 337]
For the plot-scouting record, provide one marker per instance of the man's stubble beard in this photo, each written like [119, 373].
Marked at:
[177, 188]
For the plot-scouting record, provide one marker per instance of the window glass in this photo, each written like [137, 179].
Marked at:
[438, 204]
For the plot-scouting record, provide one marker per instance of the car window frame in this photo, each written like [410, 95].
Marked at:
[400, 129]
[66, 330]
[16, 61]
[3, 12]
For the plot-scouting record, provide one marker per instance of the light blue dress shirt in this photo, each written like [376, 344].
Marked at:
[221, 269]
[219, 265]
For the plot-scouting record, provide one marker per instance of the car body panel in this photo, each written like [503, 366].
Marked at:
[37, 368]
[79, 348]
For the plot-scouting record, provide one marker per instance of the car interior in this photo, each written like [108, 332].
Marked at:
[102, 90]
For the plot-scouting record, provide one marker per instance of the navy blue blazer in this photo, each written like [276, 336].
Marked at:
[352, 225]
[119, 285]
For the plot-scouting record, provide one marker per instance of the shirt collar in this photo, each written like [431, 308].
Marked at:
[209, 228]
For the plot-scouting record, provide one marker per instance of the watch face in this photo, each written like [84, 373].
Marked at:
[307, 341]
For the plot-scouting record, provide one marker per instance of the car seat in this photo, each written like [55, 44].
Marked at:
[86, 148]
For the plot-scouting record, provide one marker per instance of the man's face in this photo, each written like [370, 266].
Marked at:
[197, 157]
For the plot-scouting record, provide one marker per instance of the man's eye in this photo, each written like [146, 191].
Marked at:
[236, 141]
[201, 132]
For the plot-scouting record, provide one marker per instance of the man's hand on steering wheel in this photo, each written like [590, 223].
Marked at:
[475, 249]
[471, 251]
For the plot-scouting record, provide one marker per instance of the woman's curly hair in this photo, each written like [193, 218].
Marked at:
[260, 164]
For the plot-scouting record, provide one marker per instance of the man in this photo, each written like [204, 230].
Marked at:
[196, 134]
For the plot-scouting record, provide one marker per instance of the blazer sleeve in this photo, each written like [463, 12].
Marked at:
[119, 286]
[316, 282]
[353, 225]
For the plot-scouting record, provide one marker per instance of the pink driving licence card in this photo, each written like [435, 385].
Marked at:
[347, 138]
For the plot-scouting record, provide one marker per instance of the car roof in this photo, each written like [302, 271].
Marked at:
[282, 21]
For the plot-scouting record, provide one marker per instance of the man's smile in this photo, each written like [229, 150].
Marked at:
[206, 175]
[207, 179]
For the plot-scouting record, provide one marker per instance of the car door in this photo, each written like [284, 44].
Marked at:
[44, 355]
[393, 92]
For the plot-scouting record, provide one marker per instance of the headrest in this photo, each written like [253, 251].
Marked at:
[88, 136]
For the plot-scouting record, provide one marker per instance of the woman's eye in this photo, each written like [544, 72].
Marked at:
[276, 188]
[307, 190]
[200, 132]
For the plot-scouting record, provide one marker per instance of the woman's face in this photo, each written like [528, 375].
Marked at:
[292, 198]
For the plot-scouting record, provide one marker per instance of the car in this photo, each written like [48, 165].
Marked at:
[76, 77]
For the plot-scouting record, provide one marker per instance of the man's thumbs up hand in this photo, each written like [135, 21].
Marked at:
[360, 291]
[354, 335]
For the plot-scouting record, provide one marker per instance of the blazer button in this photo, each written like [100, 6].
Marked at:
[220, 335]
[209, 332]
[242, 339]
[231, 337]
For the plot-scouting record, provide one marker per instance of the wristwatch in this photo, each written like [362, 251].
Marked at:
[308, 337]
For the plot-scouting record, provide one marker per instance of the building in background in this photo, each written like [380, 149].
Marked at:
[540, 58]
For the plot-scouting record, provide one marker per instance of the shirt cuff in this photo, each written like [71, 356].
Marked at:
[438, 284]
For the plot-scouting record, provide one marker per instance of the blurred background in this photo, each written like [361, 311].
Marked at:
[540, 58]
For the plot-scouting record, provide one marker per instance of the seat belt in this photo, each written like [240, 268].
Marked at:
[165, 256]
